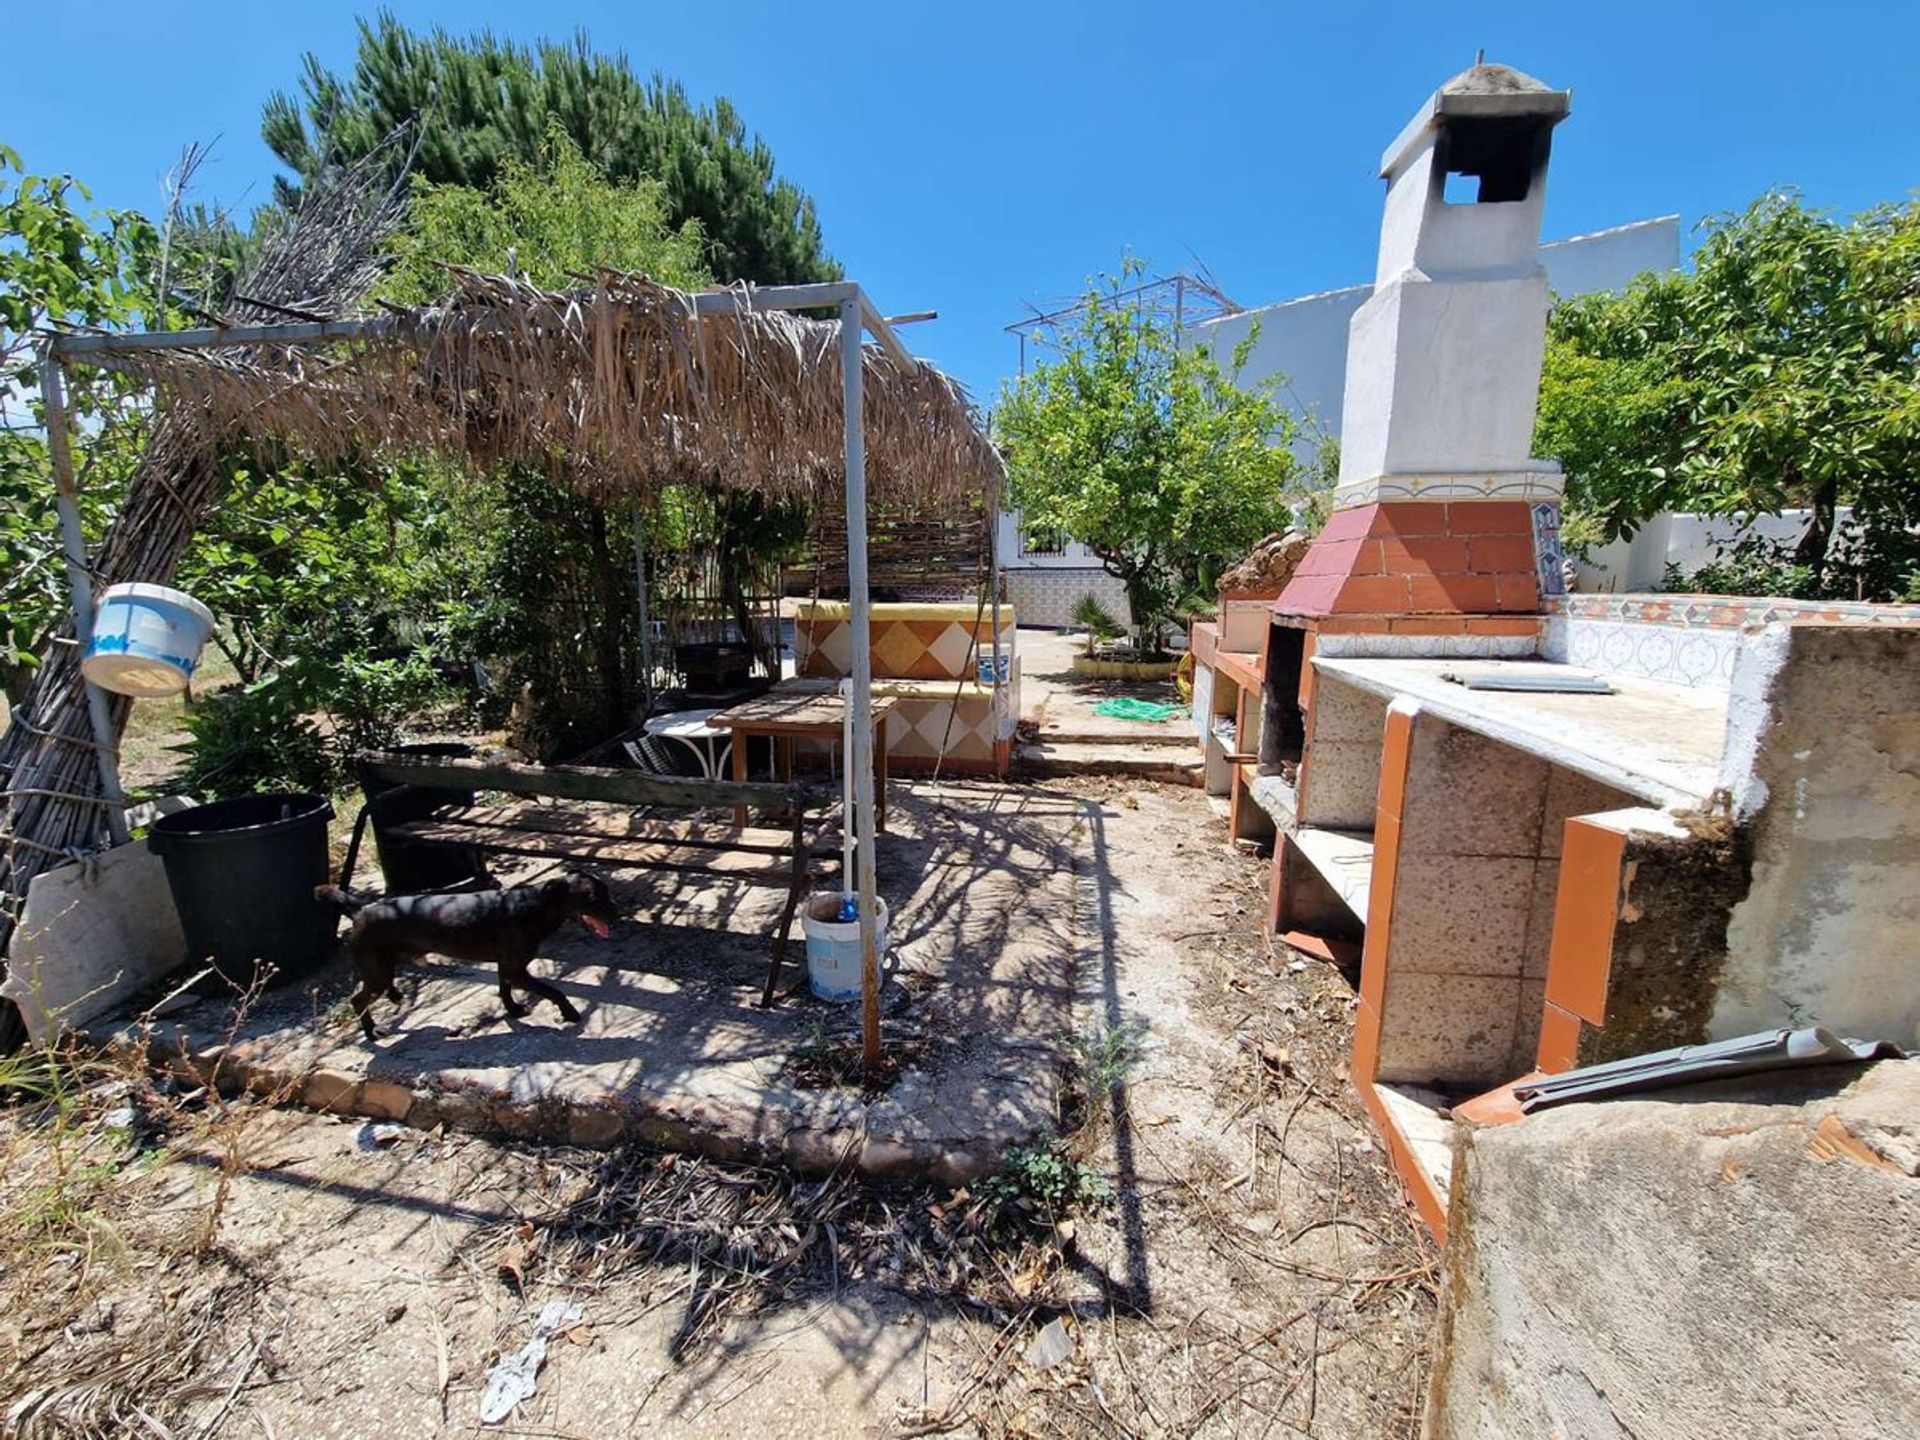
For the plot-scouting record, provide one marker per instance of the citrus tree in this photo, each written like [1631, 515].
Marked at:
[1146, 451]
[1779, 373]
[61, 260]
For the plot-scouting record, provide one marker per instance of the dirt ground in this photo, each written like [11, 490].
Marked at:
[268, 1272]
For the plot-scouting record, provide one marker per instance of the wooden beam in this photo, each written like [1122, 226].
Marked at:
[580, 782]
[594, 850]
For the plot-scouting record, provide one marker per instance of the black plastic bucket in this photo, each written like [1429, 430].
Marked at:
[242, 874]
[414, 866]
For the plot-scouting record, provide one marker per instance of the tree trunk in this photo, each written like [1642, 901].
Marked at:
[1812, 549]
[610, 625]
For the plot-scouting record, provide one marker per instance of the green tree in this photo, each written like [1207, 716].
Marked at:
[60, 260]
[1146, 452]
[481, 102]
[1779, 373]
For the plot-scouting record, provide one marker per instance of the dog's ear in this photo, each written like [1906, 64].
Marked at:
[559, 887]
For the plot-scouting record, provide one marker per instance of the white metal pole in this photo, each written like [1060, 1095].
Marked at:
[992, 503]
[73, 540]
[861, 701]
[848, 880]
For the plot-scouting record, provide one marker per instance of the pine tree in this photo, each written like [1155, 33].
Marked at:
[481, 101]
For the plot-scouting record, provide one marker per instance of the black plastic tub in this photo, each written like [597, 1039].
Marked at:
[414, 866]
[242, 874]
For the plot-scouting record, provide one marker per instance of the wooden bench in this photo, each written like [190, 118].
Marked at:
[691, 846]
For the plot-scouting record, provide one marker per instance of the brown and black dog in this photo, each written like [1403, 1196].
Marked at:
[499, 927]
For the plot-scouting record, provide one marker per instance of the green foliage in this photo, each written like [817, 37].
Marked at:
[1102, 1055]
[60, 259]
[350, 604]
[482, 103]
[1752, 565]
[1780, 373]
[1098, 621]
[549, 218]
[539, 581]
[1043, 1183]
[1146, 452]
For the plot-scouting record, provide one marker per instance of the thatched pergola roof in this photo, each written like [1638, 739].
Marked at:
[621, 386]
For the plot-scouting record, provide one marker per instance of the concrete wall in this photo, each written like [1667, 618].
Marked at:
[1305, 340]
[1673, 538]
[1823, 765]
[1736, 1259]
[1470, 909]
[1443, 376]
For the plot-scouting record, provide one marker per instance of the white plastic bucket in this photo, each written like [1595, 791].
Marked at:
[146, 640]
[833, 947]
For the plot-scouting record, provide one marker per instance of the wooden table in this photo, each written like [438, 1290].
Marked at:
[805, 709]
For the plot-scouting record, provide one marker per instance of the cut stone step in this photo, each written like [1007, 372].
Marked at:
[1142, 762]
[1154, 736]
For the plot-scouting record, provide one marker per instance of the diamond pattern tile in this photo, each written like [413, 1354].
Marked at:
[951, 648]
[897, 651]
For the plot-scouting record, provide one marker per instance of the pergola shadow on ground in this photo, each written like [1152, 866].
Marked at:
[673, 1048]
[622, 387]
[1007, 941]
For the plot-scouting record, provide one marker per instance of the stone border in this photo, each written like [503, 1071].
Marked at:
[734, 1133]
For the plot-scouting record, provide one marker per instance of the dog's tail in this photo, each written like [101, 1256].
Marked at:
[345, 901]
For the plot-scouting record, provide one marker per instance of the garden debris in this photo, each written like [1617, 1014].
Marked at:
[513, 1378]
[1268, 566]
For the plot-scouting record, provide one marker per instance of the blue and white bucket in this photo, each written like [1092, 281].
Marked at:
[146, 640]
[833, 947]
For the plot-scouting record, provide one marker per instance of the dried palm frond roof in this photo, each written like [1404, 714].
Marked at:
[622, 387]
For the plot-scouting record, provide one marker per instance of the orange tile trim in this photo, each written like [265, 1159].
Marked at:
[1396, 748]
[1559, 1049]
[1585, 910]
[1428, 1202]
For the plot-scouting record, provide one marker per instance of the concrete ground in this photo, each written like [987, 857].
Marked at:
[673, 1047]
[1060, 704]
[1069, 739]
[1255, 1273]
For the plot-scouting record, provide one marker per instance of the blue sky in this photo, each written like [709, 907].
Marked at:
[968, 157]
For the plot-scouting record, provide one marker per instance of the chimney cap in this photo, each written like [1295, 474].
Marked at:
[1482, 90]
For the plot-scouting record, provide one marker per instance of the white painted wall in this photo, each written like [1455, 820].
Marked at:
[1689, 541]
[1303, 342]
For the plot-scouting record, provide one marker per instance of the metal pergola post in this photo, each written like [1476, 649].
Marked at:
[860, 702]
[73, 542]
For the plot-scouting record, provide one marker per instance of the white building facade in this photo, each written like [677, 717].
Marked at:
[1301, 346]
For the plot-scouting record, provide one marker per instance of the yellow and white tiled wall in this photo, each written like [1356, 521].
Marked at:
[931, 659]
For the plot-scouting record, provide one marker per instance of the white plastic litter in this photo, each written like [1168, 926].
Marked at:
[1051, 1346]
[372, 1137]
[511, 1380]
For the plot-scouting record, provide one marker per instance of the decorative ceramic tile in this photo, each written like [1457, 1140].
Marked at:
[1550, 562]
[1512, 485]
[1729, 611]
[1424, 647]
[1677, 654]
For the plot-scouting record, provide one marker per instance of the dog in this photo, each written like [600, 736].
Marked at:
[501, 927]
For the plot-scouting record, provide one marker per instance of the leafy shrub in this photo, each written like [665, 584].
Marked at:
[1098, 621]
[301, 725]
[1853, 569]
[1043, 1182]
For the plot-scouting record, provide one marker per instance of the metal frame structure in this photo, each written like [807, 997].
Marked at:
[1183, 296]
[857, 314]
